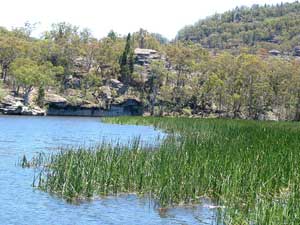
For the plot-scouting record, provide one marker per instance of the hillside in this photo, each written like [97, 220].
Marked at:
[70, 72]
[270, 27]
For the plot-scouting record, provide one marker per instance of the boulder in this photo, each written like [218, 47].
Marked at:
[55, 99]
[114, 83]
[72, 82]
[269, 116]
[274, 52]
[297, 51]
[11, 105]
[118, 86]
[33, 111]
[105, 92]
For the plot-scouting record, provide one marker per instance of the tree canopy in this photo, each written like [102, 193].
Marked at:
[184, 76]
[270, 27]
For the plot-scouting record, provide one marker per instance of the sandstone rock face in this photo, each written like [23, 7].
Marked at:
[105, 93]
[144, 57]
[72, 82]
[117, 86]
[114, 83]
[297, 51]
[33, 111]
[14, 106]
[57, 105]
[55, 99]
[270, 116]
[127, 107]
[274, 52]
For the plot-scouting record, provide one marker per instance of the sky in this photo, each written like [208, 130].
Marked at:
[166, 17]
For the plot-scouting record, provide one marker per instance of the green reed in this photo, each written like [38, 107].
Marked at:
[251, 168]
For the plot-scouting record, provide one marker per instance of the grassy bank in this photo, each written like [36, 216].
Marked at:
[252, 168]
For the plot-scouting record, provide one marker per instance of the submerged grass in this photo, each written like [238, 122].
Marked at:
[252, 168]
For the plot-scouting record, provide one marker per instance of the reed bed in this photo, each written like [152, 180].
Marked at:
[251, 168]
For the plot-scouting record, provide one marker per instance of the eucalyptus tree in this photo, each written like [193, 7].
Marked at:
[10, 48]
[156, 80]
[279, 74]
[185, 59]
[295, 86]
[144, 39]
[107, 56]
[252, 75]
[2, 91]
[66, 50]
[30, 74]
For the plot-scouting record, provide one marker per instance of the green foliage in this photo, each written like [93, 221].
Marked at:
[250, 168]
[2, 92]
[127, 61]
[144, 39]
[156, 80]
[41, 96]
[182, 75]
[11, 47]
[186, 111]
[30, 74]
[259, 26]
[91, 81]
[112, 35]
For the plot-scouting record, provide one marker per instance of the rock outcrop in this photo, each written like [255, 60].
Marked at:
[57, 105]
[51, 98]
[269, 116]
[145, 56]
[127, 107]
[274, 52]
[297, 51]
[11, 105]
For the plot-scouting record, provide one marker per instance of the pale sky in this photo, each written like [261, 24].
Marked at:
[100, 16]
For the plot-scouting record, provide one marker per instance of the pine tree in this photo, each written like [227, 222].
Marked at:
[127, 61]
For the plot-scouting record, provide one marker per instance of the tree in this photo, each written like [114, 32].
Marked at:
[10, 48]
[2, 92]
[88, 53]
[68, 42]
[107, 57]
[144, 39]
[91, 81]
[156, 79]
[252, 73]
[112, 35]
[30, 74]
[279, 73]
[41, 96]
[185, 59]
[296, 89]
[225, 70]
[270, 27]
[25, 31]
[127, 61]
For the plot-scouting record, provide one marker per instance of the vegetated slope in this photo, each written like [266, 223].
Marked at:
[270, 27]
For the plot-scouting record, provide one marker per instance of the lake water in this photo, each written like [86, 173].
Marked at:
[20, 203]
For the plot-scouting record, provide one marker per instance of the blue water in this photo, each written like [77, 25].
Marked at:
[20, 203]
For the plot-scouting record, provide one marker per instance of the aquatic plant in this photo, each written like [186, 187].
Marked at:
[251, 168]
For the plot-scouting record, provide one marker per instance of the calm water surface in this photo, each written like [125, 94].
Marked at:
[22, 204]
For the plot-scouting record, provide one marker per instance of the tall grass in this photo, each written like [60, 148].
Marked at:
[252, 168]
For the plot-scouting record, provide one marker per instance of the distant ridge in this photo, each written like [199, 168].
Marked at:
[270, 27]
